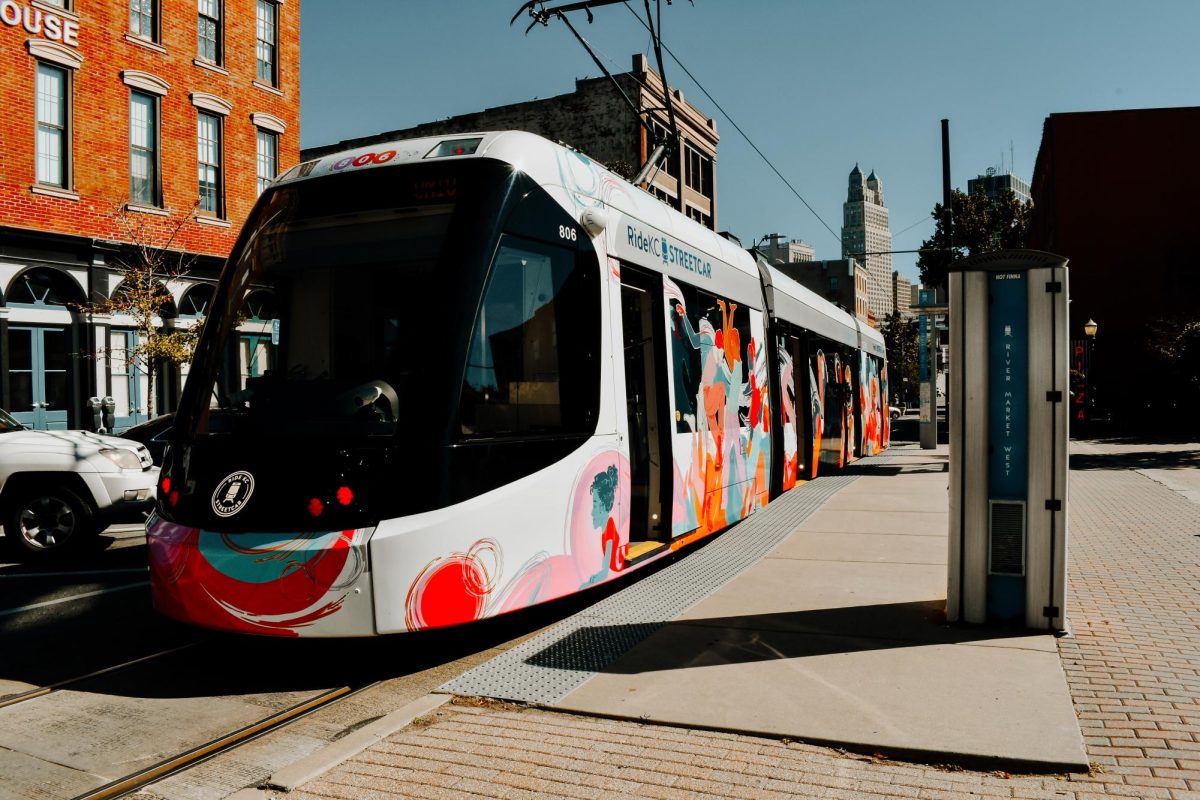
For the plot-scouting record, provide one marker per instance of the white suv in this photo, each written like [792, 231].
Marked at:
[55, 486]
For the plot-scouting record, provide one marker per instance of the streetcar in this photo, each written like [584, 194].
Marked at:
[493, 374]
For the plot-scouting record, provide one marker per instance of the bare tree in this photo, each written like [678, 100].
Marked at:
[147, 263]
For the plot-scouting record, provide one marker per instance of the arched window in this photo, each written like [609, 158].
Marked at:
[44, 287]
[196, 301]
[124, 296]
[260, 306]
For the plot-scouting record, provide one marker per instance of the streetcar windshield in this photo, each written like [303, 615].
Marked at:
[337, 312]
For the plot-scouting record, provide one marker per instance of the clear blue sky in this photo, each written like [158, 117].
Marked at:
[818, 86]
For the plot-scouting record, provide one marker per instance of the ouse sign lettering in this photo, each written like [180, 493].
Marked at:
[39, 23]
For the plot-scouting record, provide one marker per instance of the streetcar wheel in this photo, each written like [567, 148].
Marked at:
[47, 520]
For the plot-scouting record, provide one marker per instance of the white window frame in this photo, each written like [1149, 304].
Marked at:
[217, 166]
[63, 128]
[260, 43]
[219, 25]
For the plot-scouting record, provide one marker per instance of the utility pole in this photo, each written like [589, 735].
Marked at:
[929, 333]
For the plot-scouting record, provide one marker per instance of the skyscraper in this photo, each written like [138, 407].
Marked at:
[778, 248]
[994, 184]
[867, 238]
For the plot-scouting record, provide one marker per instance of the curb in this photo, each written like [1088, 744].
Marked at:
[313, 765]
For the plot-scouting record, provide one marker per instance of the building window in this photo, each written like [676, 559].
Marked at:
[268, 159]
[698, 171]
[265, 33]
[208, 154]
[197, 301]
[143, 20]
[672, 161]
[208, 31]
[53, 137]
[143, 149]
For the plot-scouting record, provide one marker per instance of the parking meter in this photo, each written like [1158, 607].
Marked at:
[108, 407]
[96, 416]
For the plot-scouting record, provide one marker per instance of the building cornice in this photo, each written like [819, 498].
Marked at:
[55, 53]
[268, 122]
[145, 82]
[210, 102]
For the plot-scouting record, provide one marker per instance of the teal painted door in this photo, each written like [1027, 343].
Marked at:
[256, 355]
[129, 381]
[37, 361]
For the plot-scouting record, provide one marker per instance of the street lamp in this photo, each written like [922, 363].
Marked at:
[1089, 330]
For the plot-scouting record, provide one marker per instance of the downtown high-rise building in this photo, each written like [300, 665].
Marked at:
[778, 248]
[994, 184]
[867, 238]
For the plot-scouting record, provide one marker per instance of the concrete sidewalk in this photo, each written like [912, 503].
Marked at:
[838, 637]
[1132, 668]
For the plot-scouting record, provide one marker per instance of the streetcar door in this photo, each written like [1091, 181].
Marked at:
[644, 359]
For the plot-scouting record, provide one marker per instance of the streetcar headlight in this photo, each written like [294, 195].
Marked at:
[125, 459]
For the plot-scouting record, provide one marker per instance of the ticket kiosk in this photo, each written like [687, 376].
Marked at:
[1008, 414]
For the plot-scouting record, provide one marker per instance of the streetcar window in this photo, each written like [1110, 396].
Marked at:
[709, 344]
[517, 380]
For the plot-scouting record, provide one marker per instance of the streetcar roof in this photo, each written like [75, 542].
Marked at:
[870, 339]
[791, 302]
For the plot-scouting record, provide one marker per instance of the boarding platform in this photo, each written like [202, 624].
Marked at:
[820, 618]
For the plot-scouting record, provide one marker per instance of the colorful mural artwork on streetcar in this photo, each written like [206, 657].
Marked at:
[833, 426]
[280, 584]
[849, 436]
[586, 185]
[455, 588]
[722, 430]
[816, 391]
[463, 587]
[253, 582]
[874, 411]
[884, 403]
[787, 401]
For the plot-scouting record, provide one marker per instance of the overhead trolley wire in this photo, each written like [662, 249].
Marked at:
[737, 127]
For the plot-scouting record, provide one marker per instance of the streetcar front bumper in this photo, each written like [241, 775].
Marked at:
[272, 584]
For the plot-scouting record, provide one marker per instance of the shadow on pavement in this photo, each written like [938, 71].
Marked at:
[64, 641]
[942, 465]
[765, 637]
[1141, 459]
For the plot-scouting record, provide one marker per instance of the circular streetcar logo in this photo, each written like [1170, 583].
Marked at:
[232, 493]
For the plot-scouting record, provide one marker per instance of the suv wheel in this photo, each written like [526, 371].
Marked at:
[48, 519]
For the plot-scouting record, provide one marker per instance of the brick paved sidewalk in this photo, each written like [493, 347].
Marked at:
[1133, 667]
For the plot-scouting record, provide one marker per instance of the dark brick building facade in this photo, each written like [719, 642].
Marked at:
[841, 281]
[152, 110]
[1111, 192]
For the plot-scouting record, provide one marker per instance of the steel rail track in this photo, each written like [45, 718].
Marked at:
[221, 744]
[42, 691]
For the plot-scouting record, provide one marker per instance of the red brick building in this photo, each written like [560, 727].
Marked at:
[150, 111]
[1111, 192]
